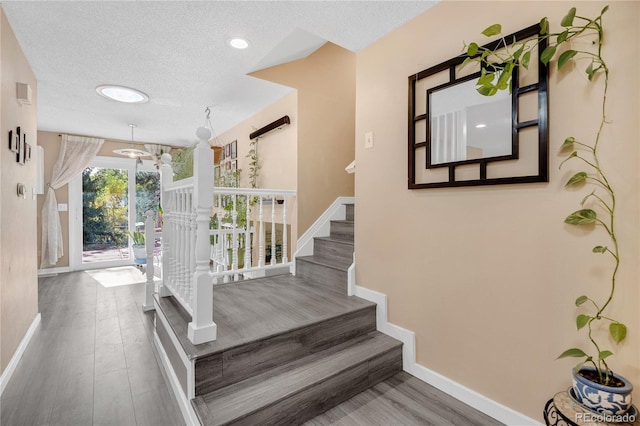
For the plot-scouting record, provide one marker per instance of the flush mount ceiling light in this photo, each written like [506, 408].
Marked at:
[132, 152]
[238, 43]
[122, 94]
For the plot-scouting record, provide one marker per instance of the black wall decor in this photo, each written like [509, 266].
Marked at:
[430, 134]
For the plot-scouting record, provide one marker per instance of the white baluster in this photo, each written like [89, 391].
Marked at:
[285, 256]
[166, 175]
[234, 235]
[150, 241]
[261, 241]
[180, 246]
[192, 248]
[273, 230]
[247, 236]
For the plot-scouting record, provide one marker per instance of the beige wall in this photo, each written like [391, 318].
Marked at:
[487, 276]
[18, 276]
[326, 113]
[50, 142]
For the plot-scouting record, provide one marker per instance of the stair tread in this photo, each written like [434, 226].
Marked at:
[243, 398]
[337, 239]
[346, 221]
[339, 263]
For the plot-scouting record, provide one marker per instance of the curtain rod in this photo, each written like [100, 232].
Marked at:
[129, 142]
[271, 126]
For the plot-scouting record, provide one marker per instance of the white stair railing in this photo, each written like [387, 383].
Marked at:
[192, 239]
[238, 214]
[187, 208]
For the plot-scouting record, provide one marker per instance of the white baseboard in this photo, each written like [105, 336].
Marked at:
[462, 393]
[54, 271]
[188, 413]
[15, 359]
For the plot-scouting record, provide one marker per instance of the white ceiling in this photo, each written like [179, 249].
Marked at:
[177, 53]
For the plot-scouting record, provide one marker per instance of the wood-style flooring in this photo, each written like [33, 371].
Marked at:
[92, 362]
[402, 400]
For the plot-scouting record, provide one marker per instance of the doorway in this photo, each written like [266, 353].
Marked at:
[106, 209]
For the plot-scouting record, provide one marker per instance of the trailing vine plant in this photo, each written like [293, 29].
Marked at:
[254, 163]
[496, 69]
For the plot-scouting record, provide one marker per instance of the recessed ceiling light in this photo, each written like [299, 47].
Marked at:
[480, 125]
[238, 43]
[122, 94]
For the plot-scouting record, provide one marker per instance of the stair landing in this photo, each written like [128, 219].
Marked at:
[257, 309]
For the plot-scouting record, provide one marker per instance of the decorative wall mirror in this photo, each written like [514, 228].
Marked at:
[458, 137]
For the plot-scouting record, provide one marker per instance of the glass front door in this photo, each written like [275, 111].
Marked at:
[105, 215]
[107, 205]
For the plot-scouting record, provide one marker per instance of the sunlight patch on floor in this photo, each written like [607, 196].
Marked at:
[114, 277]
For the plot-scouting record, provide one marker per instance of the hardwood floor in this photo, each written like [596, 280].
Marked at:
[91, 361]
[402, 400]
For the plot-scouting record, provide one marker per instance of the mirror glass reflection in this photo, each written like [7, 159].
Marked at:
[465, 125]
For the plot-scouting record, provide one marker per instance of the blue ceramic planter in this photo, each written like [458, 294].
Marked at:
[603, 399]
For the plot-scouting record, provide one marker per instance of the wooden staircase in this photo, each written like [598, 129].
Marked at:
[288, 347]
[332, 255]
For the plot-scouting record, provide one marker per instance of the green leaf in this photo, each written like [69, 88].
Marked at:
[567, 21]
[578, 177]
[618, 331]
[563, 36]
[518, 53]
[472, 50]
[485, 79]
[582, 320]
[564, 58]
[492, 30]
[572, 155]
[568, 142]
[580, 300]
[604, 354]
[526, 58]
[547, 54]
[581, 217]
[573, 352]
[487, 90]
[544, 26]
[505, 77]
[465, 62]
[590, 71]
[599, 249]
[604, 10]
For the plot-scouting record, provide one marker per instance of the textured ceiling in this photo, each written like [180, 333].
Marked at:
[177, 53]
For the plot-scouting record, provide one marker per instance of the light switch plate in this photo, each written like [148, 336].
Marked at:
[63, 207]
[368, 140]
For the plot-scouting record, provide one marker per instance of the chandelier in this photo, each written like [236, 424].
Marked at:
[132, 152]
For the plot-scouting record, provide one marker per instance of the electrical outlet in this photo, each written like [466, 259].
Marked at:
[368, 140]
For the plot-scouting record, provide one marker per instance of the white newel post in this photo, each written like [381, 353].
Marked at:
[202, 328]
[150, 242]
[166, 174]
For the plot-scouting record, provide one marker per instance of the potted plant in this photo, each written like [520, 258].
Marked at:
[139, 249]
[595, 386]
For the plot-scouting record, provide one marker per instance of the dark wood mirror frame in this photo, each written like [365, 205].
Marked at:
[541, 122]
